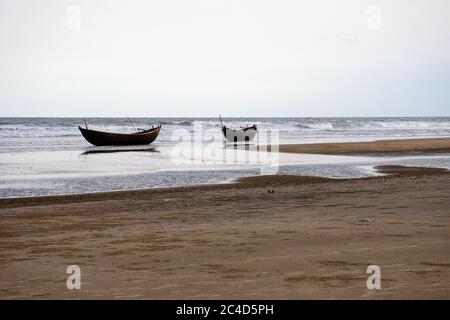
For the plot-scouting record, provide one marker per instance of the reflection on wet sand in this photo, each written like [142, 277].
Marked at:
[240, 146]
[252, 147]
[115, 150]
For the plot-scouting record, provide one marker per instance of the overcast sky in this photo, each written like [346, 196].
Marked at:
[235, 57]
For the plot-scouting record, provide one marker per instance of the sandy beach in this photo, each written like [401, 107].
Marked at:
[218, 150]
[379, 147]
[311, 238]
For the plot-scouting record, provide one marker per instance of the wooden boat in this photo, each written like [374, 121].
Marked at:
[100, 138]
[244, 134]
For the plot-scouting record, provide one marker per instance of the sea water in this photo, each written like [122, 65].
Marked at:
[48, 156]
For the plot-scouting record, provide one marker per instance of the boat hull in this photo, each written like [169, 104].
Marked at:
[239, 135]
[100, 138]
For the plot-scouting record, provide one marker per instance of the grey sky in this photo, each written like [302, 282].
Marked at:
[235, 57]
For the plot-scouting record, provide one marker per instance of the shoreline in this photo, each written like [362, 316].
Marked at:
[244, 182]
[386, 171]
[418, 147]
[377, 147]
[241, 183]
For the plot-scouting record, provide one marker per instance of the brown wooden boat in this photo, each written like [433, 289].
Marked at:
[100, 138]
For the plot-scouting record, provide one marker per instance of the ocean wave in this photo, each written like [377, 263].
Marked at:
[65, 132]
[378, 125]
[315, 126]
[302, 126]
[177, 123]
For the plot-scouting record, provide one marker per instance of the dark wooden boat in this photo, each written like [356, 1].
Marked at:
[100, 138]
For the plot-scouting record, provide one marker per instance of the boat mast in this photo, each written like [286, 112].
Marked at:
[132, 124]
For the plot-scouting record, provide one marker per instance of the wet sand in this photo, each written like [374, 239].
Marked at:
[403, 146]
[311, 238]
